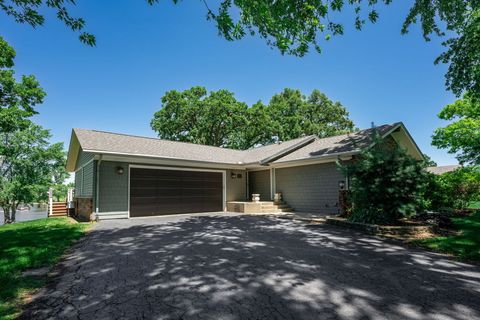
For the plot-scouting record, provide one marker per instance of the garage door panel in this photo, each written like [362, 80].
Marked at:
[160, 191]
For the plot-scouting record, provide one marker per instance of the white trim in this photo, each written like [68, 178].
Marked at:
[271, 183]
[97, 185]
[170, 162]
[306, 162]
[247, 187]
[129, 156]
[263, 168]
[274, 183]
[128, 188]
[224, 179]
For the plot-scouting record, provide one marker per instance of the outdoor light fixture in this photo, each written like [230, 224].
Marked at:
[119, 170]
[233, 175]
[341, 184]
[239, 176]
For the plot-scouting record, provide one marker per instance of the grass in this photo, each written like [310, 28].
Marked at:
[465, 245]
[474, 205]
[31, 245]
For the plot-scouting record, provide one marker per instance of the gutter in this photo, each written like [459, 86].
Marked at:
[97, 184]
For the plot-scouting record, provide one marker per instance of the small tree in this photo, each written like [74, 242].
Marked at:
[26, 168]
[386, 184]
[453, 190]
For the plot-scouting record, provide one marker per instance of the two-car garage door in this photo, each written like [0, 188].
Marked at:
[163, 191]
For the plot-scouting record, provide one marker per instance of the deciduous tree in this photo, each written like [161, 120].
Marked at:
[294, 115]
[27, 165]
[462, 135]
[196, 116]
[294, 27]
[218, 119]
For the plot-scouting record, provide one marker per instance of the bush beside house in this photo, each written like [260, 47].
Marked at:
[386, 184]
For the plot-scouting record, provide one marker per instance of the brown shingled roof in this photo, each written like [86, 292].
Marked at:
[308, 147]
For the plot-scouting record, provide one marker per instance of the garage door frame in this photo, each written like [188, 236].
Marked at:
[224, 180]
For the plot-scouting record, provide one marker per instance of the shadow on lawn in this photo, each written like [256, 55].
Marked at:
[465, 245]
[30, 245]
[245, 267]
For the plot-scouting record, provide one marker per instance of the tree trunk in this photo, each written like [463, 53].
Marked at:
[13, 212]
[6, 214]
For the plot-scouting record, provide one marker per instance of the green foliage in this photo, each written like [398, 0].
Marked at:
[465, 245]
[294, 115]
[386, 183]
[27, 160]
[29, 245]
[28, 12]
[461, 136]
[295, 27]
[195, 116]
[453, 190]
[17, 99]
[26, 170]
[218, 119]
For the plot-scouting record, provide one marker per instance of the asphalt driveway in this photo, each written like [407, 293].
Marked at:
[247, 267]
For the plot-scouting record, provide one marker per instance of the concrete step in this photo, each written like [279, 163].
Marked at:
[57, 215]
[288, 209]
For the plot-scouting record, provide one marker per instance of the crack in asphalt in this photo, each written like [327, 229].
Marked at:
[245, 267]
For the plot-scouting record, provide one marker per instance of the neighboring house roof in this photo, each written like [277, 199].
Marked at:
[309, 147]
[443, 169]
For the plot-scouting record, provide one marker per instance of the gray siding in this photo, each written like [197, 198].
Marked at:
[236, 187]
[85, 175]
[312, 188]
[83, 157]
[88, 179]
[113, 187]
[259, 182]
[78, 183]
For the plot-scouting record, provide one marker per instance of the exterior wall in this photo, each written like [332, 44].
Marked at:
[113, 188]
[236, 187]
[259, 182]
[85, 175]
[83, 158]
[84, 209]
[311, 188]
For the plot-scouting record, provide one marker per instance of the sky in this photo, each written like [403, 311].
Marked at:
[142, 51]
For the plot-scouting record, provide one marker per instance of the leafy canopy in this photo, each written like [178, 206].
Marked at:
[462, 135]
[27, 159]
[453, 190]
[28, 12]
[294, 27]
[17, 99]
[218, 119]
[386, 184]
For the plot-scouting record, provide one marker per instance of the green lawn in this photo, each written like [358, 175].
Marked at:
[466, 245]
[474, 205]
[30, 245]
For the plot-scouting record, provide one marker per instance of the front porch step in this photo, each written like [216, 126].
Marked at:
[277, 210]
[275, 207]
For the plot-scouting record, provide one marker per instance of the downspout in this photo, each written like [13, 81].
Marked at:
[97, 184]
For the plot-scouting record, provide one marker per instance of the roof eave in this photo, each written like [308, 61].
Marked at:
[288, 150]
[73, 150]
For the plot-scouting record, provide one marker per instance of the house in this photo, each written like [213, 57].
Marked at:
[124, 176]
[438, 170]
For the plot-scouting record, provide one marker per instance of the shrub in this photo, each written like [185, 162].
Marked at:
[453, 190]
[386, 183]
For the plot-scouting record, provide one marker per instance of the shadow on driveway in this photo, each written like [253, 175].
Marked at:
[247, 267]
